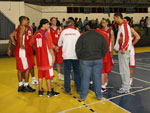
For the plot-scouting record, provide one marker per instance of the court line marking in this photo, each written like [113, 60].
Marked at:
[133, 77]
[137, 67]
[91, 103]
[109, 99]
[80, 101]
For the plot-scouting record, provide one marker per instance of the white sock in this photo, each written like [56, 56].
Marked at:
[20, 84]
[103, 86]
[59, 74]
[26, 84]
[106, 84]
[33, 78]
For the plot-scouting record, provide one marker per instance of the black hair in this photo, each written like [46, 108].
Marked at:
[71, 18]
[42, 22]
[91, 24]
[118, 14]
[128, 19]
[28, 18]
[21, 18]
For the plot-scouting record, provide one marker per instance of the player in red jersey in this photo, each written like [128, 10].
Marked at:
[135, 39]
[107, 62]
[55, 33]
[43, 45]
[21, 52]
[12, 36]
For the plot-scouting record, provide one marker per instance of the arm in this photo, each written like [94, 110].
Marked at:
[78, 47]
[125, 38]
[11, 36]
[9, 48]
[104, 47]
[136, 35]
[53, 56]
[60, 41]
[112, 42]
[22, 31]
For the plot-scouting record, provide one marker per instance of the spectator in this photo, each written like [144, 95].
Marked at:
[34, 28]
[97, 23]
[148, 25]
[91, 48]
[142, 22]
[58, 22]
[67, 40]
[63, 22]
[85, 21]
[80, 24]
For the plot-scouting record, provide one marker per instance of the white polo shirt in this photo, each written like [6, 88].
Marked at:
[67, 40]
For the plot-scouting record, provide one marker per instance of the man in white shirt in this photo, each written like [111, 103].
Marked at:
[123, 46]
[67, 40]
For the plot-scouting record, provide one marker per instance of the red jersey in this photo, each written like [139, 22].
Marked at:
[55, 35]
[26, 38]
[104, 33]
[42, 42]
[109, 38]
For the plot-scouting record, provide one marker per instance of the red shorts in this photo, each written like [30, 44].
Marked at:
[32, 62]
[58, 57]
[48, 74]
[106, 67]
[23, 63]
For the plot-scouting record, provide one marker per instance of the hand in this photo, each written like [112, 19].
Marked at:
[9, 52]
[123, 51]
[57, 49]
[22, 47]
[111, 54]
[53, 60]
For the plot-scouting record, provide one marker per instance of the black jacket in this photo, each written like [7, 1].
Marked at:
[91, 46]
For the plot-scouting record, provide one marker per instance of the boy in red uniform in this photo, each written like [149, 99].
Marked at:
[106, 60]
[45, 56]
[22, 53]
[55, 33]
[12, 36]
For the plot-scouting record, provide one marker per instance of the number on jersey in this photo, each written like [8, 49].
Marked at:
[39, 42]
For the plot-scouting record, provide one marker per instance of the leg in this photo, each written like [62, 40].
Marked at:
[27, 76]
[34, 81]
[40, 84]
[77, 77]
[58, 67]
[86, 71]
[19, 74]
[48, 85]
[67, 68]
[124, 69]
[96, 74]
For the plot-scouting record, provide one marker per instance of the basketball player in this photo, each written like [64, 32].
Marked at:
[135, 39]
[107, 62]
[12, 36]
[43, 45]
[21, 52]
[55, 33]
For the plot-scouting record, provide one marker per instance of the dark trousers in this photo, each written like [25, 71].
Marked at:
[67, 70]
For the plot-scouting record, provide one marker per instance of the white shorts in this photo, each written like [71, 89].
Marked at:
[132, 61]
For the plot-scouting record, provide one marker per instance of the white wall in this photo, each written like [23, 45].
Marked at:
[34, 12]
[12, 10]
[15, 9]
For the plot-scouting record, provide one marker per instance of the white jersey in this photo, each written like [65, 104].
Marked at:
[67, 40]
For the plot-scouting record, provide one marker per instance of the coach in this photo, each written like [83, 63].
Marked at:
[91, 48]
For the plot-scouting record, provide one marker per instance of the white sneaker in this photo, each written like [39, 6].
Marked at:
[35, 81]
[60, 78]
[91, 82]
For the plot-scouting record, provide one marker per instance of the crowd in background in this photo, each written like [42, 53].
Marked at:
[79, 23]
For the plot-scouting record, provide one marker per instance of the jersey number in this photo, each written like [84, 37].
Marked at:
[39, 42]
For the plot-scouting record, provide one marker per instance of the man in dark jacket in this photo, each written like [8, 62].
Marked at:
[91, 48]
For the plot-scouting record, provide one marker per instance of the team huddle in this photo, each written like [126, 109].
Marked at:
[90, 54]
